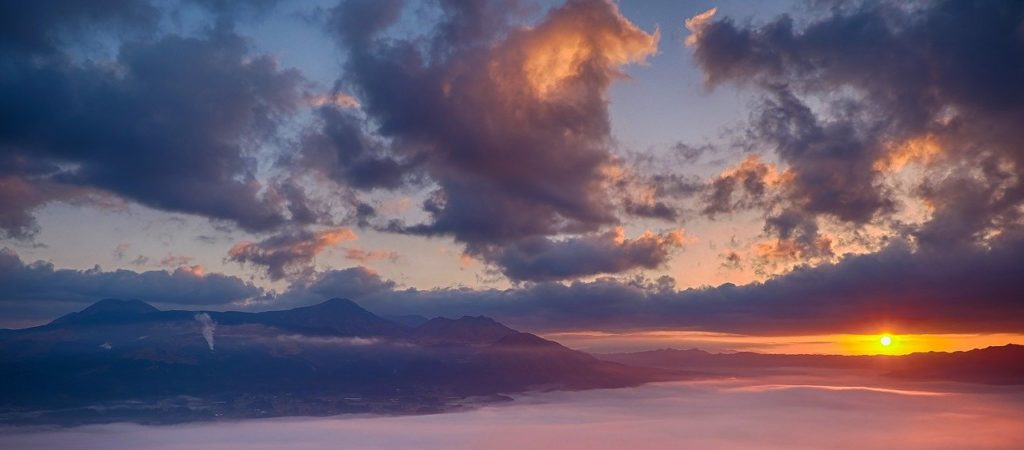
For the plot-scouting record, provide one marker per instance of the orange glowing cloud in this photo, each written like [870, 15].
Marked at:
[752, 167]
[697, 24]
[338, 99]
[917, 150]
[574, 43]
[790, 250]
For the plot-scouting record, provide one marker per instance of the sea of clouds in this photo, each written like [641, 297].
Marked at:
[765, 413]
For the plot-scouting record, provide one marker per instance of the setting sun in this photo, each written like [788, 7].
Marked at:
[885, 340]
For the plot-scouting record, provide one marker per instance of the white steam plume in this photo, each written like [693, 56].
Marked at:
[208, 326]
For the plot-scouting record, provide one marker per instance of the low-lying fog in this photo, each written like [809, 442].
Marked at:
[773, 413]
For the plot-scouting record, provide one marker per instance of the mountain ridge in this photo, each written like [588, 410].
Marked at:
[129, 363]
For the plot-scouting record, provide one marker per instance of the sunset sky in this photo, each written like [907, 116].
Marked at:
[770, 176]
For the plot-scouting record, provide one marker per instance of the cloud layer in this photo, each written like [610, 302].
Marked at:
[804, 413]
[39, 291]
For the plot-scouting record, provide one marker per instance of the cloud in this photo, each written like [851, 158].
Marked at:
[971, 289]
[510, 123]
[366, 256]
[696, 25]
[42, 28]
[966, 289]
[750, 184]
[289, 252]
[174, 261]
[19, 197]
[38, 290]
[341, 150]
[169, 122]
[336, 99]
[771, 417]
[543, 259]
[933, 84]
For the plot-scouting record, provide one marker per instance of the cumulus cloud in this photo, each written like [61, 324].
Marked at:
[749, 184]
[893, 84]
[289, 252]
[168, 122]
[510, 123]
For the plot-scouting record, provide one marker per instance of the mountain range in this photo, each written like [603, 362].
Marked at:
[126, 360]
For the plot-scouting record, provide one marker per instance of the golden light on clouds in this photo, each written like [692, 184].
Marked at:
[568, 44]
[339, 99]
[697, 24]
[918, 150]
[752, 166]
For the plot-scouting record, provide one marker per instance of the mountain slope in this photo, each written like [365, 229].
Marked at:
[466, 330]
[337, 317]
[330, 358]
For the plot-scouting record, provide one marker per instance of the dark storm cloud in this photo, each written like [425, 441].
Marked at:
[44, 26]
[889, 74]
[543, 259]
[170, 123]
[510, 123]
[967, 290]
[38, 290]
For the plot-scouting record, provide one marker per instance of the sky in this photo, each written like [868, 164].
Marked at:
[777, 169]
[722, 414]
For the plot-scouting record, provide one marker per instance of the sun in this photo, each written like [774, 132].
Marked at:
[885, 340]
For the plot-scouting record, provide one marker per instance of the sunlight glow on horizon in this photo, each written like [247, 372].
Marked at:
[831, 344]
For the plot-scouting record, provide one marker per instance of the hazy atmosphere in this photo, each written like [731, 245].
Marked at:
[715, 415]
[511, 219]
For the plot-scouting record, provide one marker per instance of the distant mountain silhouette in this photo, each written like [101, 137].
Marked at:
[337, 316]
[107, 310]
[125, 360]
[408, 320]
[991, 365]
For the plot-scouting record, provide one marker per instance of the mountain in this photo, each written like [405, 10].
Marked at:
[107, 310]
[128, 361]
[467, 330]
[991, 365]
[408, 320]
[335, 317]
